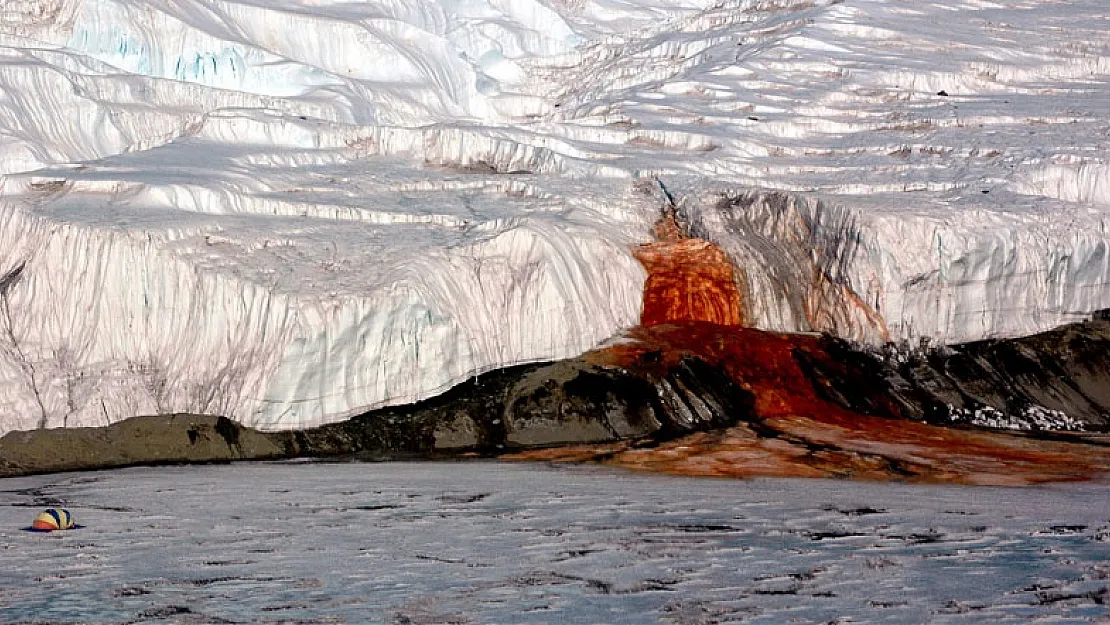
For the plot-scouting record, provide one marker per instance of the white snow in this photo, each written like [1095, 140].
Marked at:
[1033, 417]
[292, 211]
[494, 543]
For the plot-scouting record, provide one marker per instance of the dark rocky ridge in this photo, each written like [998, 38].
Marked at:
[523, 407]
[566, 402]
[653, 397]
[140, 440]
[1016, 381]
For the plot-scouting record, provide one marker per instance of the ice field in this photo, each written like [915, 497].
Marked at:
[485, 542]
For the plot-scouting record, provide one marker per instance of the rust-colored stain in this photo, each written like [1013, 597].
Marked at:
[688, 280]
[692, 308]
[794, 432]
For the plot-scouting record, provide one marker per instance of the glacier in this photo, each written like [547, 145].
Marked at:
[291, 212]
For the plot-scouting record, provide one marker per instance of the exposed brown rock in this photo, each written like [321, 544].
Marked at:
[795, 430]
[690, 398]
[142, 440]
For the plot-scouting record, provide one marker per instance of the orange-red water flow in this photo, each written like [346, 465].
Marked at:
[688, 280]
[692, 307]
[794, 432]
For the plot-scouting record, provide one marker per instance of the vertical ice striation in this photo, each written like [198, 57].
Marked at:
[296, 320]
[813, 265]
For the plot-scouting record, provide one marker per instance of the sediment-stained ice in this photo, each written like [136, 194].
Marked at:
[289, 212]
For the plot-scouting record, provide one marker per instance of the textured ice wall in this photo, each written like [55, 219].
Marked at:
[295, 210]
[813, 265]
[284, 322]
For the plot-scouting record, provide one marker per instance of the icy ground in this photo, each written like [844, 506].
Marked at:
[502, 543]
[290, 211]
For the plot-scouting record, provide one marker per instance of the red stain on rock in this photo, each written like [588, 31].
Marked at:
[795, 432]
[692, 308]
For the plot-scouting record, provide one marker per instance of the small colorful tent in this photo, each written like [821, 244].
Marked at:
[53, 519]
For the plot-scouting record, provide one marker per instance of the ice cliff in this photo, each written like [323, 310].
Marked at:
[290, 212]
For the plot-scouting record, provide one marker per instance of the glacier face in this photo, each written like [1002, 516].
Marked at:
[291, 302]
[289, 212]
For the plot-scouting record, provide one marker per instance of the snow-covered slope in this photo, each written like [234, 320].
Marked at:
[291, 211]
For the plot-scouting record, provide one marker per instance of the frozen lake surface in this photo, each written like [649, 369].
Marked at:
[485, 542]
